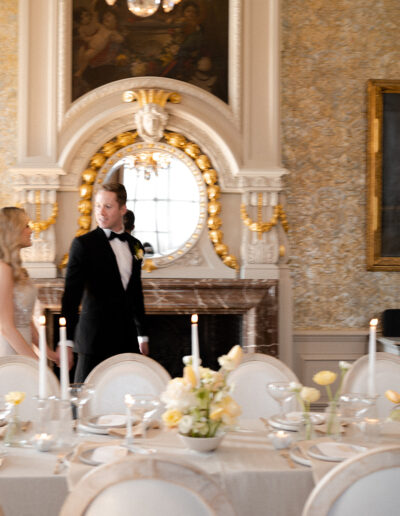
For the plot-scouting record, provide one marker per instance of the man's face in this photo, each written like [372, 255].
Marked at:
[109, 214]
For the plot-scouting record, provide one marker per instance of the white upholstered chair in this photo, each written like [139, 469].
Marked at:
[250, 381]
[366, 485]
[146, 486]
[387, 376]
[20, 373]
[122, 374]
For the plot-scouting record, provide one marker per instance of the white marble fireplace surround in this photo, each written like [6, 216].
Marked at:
[242, 139]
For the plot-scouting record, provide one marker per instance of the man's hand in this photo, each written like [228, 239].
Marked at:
[144, 347]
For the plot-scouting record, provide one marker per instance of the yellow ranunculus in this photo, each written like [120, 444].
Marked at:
[15, 397]
[393, 396]
[236, 354]
[189, 376]
[172, 417]
[310, 394]
[324, 377]
[227, 409]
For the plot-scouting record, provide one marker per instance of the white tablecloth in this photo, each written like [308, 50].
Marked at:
[257, 478]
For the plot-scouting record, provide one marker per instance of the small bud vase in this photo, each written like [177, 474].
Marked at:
[333, 420]
[14, 434]
[306, 428]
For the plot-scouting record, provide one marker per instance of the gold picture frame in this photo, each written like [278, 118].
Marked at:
[383, 169]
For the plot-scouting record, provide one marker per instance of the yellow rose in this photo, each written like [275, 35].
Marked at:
[236, 354]
[324, 377]
[227, 409]
[393, 396]
[189, 376]
[310, 394]
[172, 417]
[15, 397]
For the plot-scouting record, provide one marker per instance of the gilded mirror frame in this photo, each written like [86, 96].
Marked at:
[112, 151]
[380, 172]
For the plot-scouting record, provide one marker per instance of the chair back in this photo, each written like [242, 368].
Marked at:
[20, 373]
[122, 374]
[145, 486]
[366, 484]
[387, 367]
[250, 381]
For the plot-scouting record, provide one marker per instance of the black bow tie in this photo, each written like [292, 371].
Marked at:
[122, 236]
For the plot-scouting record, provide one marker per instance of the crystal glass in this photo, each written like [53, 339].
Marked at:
[80, 394]
[280, 392]
[143, 406]
[355, 406]
[5, 409]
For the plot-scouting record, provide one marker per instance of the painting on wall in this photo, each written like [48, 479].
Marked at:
[189, 44]
[383, 250]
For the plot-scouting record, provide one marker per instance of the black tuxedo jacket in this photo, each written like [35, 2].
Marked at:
[111, 317]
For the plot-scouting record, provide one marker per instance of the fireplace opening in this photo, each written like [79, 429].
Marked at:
[170, 338]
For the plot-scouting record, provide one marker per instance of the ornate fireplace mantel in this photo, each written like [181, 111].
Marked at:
[255, 300]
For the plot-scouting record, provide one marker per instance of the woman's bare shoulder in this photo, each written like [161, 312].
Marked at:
[5, 270]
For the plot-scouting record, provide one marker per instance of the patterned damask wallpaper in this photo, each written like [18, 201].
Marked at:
[8, 93]
[329, 51]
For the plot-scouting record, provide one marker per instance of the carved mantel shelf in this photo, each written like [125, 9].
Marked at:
[255, 300]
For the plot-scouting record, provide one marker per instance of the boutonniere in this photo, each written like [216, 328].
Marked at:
[138, 253]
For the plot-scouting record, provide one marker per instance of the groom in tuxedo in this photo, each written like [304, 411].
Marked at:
[104, 273]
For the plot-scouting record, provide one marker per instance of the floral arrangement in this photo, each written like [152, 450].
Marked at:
[305, 396]
[327, 378]
[200, 407]
[394, 397]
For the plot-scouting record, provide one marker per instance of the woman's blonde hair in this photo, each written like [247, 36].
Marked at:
[12, 222]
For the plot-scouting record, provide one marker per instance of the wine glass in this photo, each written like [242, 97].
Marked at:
[80, 394]
[355, 406]
[281, 392]
[5, 409]
[143, 406]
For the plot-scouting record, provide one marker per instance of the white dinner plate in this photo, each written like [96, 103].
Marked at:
[297, 456]
[84, 427]
[103, 455]
[107, 421]
[334, 452]
[294, 418]
[281, 426]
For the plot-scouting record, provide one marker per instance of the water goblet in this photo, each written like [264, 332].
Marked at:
[80, 394]
[143, 406]
[282, 393]
[355, 406]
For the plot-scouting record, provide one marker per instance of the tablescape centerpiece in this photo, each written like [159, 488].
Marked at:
[326, 379]
[14, 436]
[201, 407]
[394, 397]
[305, 396]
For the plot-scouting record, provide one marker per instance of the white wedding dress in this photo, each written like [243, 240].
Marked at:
[24, 301]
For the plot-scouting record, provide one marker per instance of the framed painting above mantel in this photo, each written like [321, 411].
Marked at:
[383, 167]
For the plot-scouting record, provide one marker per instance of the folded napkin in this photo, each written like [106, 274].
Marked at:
[322, 429]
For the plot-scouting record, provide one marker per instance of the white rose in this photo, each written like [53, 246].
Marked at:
[185, 424]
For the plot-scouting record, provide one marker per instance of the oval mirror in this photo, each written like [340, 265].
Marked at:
[167, 194]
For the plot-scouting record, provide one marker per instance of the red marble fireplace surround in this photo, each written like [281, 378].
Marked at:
[255, 300]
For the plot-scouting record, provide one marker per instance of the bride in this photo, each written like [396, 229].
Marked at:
[17, 292]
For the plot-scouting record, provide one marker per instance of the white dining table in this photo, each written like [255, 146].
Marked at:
[258, 479]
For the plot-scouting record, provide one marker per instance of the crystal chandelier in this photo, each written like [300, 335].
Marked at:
[146, 8]
[148, 163]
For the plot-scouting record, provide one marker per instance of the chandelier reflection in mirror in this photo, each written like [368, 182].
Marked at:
[144, 8]
[148, 163]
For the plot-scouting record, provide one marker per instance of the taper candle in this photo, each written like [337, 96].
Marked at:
[372, 357]
[42, 358]
[64, 374]
[195, 347]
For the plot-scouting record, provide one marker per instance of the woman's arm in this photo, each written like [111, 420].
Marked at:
[7, 324]
[51, 354]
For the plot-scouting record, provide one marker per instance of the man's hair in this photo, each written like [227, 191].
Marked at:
[129, 221]
[116, 188]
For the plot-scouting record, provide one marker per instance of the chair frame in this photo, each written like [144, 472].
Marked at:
[260, 357]
[52, 380]
[362, 362]
[335, 483]
[139, 467]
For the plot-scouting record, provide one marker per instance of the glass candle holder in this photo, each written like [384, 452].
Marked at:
[43, 442]
[280, 439]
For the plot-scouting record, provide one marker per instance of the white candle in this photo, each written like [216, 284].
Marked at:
[195, 347]
[42, 358]
[64, 374]
[372, 357]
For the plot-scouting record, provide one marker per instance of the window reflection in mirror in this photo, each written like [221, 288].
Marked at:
[166, 205]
